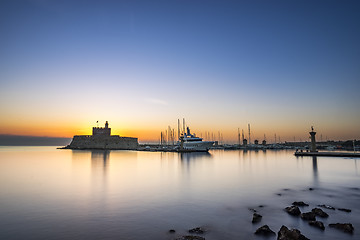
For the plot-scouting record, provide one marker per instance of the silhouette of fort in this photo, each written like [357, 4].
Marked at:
[101, 138]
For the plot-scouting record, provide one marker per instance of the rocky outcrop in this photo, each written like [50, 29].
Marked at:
[317, 224]
[197, 230]
[300, 204]
[326, 206]
[293, 210]
[190, 237]
[264, 230]
[293, 234]
[319, 212]
[308, 216]
[345, 227]
[344, 210]
[256, 218]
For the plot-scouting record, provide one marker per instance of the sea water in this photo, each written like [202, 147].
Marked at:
[47, 193]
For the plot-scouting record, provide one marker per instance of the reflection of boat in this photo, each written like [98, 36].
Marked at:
[191, 143]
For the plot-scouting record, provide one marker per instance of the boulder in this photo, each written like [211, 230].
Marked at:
[344, 209]
[319, 212]
[293, 234]
[300, 204]
[345, 227]
[308, 216]
[172, 231]
[326, 206]
[293, 210]
[264, 230]
[256, 218]
[197, 230]
[190, 237]
[317, 224]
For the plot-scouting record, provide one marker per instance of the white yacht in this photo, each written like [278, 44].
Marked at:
[191, 143]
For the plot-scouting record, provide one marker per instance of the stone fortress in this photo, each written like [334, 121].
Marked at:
[101, 138]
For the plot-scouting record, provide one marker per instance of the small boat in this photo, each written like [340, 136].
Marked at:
[191, 143]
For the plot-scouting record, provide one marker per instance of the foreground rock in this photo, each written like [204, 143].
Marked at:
[345, 227]
[293, 210]
[317, 224]
[309, 216]
[197, 230]
[190, 237]
[256, 218]
[293, 234]
[326, 206]
[344, 209]
[300, 204]
[264, 230]
[319, 212]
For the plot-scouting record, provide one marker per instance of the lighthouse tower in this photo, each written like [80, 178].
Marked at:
[313, 141]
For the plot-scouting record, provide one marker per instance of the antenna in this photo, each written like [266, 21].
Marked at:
[249, 133]
[184, 126]
[239, 135]
[178, 128]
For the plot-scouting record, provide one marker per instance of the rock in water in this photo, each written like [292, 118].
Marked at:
[172, 231]
[319, 212]
[190, 237]
[264, 230]
[309, 216]
[326, 206]
[300, 204]
[293, 234]
[345, 227]
[197, 230]
[317, 224]
[256, 218]
[344, 209]
[293, 210]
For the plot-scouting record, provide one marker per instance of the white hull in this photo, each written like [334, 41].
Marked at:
[197, 145]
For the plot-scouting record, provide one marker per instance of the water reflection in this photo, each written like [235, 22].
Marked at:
[315, 168]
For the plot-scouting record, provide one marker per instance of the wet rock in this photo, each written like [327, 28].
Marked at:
[279, 194]
[252, 209]
[344, 209]
[172, 231]
[293, 210]
[261, 206]
[317, 224]
[293, 234]
[190, 237]
[319, 212]
[264, 230]
[308, 216]
[256, 218]
[197, 230]
[300, 204]
[326, 206]
[311, 189]
[345, 227]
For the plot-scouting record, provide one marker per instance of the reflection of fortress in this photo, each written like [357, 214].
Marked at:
[102, 139]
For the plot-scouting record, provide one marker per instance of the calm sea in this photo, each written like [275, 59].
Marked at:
[47, 193]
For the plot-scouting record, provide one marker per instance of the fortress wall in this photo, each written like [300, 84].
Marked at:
[103, 142]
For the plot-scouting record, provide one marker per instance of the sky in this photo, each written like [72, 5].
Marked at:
[281, 66]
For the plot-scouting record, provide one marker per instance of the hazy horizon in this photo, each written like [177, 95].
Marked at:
[281, 66]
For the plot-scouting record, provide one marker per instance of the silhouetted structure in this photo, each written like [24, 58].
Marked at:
[313, 141]
[102, 139]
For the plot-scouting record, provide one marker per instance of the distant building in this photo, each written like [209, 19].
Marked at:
[244, 142]
[264, 142]
[101, 138]
[106, 131]
[256, 142]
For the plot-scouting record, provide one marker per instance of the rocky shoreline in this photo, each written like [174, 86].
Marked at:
[296, 209]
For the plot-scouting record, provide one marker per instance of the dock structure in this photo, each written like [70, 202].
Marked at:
[328, 154]
[314, 153]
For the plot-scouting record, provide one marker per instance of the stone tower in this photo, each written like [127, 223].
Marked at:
[313, 141]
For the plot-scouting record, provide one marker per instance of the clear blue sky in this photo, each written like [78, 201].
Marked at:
[279, 65]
